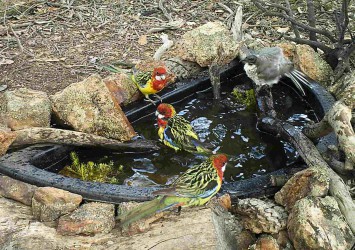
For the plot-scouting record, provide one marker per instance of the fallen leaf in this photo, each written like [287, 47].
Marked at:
[282, 30]
[142, 40]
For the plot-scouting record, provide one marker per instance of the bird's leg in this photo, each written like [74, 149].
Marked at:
[147, 99]
[161, 100]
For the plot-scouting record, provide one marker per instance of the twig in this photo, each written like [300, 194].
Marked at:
[290, 13]
[326, 33]
[311, 21]
[237, 25]
[17, 38]
[166, 45]
[317, 44]
[164, 10]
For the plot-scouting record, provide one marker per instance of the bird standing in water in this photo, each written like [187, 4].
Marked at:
[268, 65]
[194, 187]
[151, 82]
[176, 132]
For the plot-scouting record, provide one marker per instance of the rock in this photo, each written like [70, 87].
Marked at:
[90, 218]
[25, 108]
[181, 68]
[50, 203]
[6, 139]
[122, 88]
[283, 240]
[16, 190]
[309, 182]
[261, 216]
[201, 44]
[308, 61]
[265, 242]
[317, 223]
[87, 106]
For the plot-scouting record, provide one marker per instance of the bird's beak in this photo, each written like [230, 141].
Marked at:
[156, 113]
[242, 60]
[160, 116]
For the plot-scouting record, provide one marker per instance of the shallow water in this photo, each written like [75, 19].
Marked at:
[231, 131]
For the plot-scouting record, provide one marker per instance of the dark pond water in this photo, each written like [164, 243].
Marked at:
[231, 130]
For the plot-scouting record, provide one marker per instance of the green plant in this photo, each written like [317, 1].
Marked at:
[90, 171]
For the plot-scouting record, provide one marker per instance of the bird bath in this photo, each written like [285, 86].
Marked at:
[253, 154]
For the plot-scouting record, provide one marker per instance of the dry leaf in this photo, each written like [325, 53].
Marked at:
[282, 30]
[142, 40]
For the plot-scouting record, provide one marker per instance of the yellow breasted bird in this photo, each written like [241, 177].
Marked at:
[151, 82]
[194, 187]
[176, 132]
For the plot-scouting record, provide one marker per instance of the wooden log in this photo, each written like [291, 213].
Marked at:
[60, 136]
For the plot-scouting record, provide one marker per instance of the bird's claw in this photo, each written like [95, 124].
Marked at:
[147, 99]
[161, 100]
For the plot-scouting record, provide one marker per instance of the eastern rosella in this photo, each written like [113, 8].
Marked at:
[194, 187]
[151, 82]
[176, 132]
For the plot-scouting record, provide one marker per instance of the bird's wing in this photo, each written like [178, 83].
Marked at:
[180, 133]
[141, 78]
[200, 181]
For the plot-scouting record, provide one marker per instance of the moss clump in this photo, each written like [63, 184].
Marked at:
[245, 97]
[90, 171]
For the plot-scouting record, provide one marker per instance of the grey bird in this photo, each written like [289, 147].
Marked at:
[268, 65]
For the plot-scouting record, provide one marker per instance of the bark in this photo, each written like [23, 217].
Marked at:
[60, 136]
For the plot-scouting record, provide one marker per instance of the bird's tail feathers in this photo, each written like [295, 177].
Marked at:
[299, 78]
[202, 147]
[143, 210]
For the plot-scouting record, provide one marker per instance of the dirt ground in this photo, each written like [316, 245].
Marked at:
[46, 45]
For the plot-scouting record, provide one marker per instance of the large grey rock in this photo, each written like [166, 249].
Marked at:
[25, 108]
[261, 216]
[87, 106]
[16, 190]
[317, 223]
[50, 203]
[90, 218]
[201, 44]
[309, 182]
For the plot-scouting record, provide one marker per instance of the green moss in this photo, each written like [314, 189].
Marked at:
[245, 97]
[90, 171]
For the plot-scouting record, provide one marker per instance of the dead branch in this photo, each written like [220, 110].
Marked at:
[24, 137]
[166, 45]
[237, 25]
[290, 13]
[311, 21]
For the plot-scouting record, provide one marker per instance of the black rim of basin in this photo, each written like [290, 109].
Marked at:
[20, 164]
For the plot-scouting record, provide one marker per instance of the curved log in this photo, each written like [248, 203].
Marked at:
[32, 136]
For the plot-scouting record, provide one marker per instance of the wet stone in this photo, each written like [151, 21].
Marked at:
[16, 190]
[50, 203]
[90, 218]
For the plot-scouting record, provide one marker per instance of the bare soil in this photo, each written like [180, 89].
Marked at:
[47, 45]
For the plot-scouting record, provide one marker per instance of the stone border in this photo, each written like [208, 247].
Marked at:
[20, 164]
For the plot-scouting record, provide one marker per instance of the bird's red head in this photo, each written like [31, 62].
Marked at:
[219, 163]
[164, 112]
[159, 78]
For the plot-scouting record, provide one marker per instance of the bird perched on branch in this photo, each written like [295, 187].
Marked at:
[195, 187]
[176, 132]
[151, 82]
[268, 65]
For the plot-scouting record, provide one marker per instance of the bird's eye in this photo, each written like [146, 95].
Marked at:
[162, 77]
[158, 78]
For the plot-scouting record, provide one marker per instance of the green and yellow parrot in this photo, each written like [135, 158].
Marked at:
[176, 132]
[193, 188]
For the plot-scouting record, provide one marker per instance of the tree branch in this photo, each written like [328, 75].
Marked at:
[317, 44]
[311, 21]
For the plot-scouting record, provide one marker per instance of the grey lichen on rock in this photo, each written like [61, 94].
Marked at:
[50, 203]
[16, 190]
[88, 107]
[261, 216]
[201, 45]
[317, 223]
[312, 181]
[343, 86]
[90, 218]
[25, 108]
